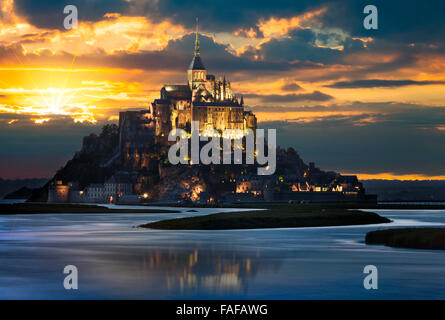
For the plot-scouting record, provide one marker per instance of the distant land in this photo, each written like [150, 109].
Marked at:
[8, 186]
[22, 193]
[397, 190]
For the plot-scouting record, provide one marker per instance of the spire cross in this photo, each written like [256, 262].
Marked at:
[197, 40]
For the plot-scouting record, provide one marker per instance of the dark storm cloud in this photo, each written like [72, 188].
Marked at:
[229, 15]
[399, 20]
[299, 45]
[409, 21]
[401, 23]
[178, 54]
[298, 50]
[402, 142]
[49, 13]
[375, 83]
[277, 98]
[291, 87]
[214, 16]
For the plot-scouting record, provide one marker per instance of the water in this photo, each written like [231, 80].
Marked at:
[12, 201]
[117, 260]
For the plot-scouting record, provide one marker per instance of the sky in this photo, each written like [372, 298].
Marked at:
[357, 101]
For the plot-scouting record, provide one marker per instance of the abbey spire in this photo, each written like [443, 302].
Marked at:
[196, 73]
[197, 39]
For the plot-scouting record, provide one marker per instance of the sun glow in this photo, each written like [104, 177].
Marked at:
[394, 176]
[41, 120]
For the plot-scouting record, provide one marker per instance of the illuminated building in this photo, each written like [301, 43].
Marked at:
[202, 98]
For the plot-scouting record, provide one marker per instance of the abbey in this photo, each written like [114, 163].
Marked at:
[202, 98]
[205, 99]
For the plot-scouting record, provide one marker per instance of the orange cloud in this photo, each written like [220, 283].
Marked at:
[281, 26]
[40, 120]
[86, 94]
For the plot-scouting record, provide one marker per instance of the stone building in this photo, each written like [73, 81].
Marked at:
[58, 192]
[76, 194]
[202, 98]
[118, 186]
[94, 193]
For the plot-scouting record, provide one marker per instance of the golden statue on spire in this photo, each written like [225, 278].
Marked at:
[197, 39]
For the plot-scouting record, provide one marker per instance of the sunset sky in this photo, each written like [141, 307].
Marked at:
[366, 102]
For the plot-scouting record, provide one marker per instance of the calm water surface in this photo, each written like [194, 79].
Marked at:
[116, 259]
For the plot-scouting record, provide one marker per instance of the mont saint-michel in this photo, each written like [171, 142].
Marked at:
[128, 162]
[142, 158]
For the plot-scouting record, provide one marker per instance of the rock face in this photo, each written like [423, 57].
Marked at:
[136, 139]
[133, 149]
[86, 166]
[102, 156]
[180, 182]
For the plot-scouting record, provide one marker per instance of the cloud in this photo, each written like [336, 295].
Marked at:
[176, 56]
[230, 15]
[404, 140]
[257, 44]
[374, 83]
[49, 13]
[277, 98]
[299, 45]
[291, 87]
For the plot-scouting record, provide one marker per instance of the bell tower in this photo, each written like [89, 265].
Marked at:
[196, 73]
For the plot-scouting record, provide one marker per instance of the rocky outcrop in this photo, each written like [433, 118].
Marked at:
[85, 167]
[180, 182]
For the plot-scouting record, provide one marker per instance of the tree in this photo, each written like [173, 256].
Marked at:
[110, 130]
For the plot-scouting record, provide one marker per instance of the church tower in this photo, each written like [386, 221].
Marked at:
[196, 73]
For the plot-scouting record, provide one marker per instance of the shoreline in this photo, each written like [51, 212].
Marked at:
[44, 208]
[49, 208]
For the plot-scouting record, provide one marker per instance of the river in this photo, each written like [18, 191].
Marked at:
[117, 260]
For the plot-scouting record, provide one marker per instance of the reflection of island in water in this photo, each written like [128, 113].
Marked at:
[210, 271]
[191, 271]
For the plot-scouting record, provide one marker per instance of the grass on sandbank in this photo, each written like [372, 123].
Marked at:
[413, 238]
[289, 216]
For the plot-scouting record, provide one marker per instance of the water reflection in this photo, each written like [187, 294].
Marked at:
[116, 260]
[190, 272]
